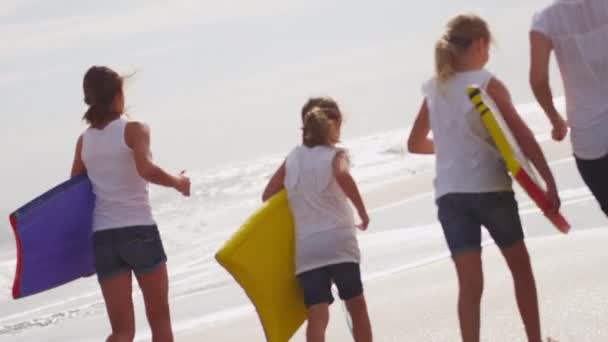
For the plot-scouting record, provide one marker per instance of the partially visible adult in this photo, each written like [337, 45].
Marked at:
[577, 32]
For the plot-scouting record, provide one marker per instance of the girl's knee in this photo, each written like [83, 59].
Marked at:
[318, 315]
[160, 311]
[318, 319]
[122, 330]
[317, 325]
[518, 259]
[356, 305]
[472, 286]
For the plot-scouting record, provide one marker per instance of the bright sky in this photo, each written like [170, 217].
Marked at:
[222, 80]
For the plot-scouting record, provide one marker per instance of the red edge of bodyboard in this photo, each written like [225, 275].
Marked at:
[538, 196]
[19, 269]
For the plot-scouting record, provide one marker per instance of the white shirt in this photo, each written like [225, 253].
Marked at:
[122, 196]
[578, 30]
[467, 159]
[325, 228]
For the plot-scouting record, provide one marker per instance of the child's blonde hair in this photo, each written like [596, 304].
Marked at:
[317, 128]
[460, 33]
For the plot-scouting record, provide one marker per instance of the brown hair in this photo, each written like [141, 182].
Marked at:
[461, 32]
[317, 126]
[323, 102]
[101, 85]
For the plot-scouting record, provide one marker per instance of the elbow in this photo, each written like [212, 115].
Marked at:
[533, 81]
[538, 81]
[267, 194]
[146, 172]
[412, 146]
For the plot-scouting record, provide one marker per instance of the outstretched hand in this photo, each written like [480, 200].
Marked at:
[183, 184]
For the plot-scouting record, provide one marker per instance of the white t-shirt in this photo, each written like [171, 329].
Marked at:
[578, 30]
[467, 159]
[122, 198]
[325, 228]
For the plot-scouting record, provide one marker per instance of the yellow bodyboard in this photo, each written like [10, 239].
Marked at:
[261, 258]
[511, 153]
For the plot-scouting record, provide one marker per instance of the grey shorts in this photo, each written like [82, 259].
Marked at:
[316, 284]
[138, 249]
[462, 215]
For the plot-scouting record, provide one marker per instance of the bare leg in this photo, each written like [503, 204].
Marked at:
[117, 292]
[525, 288]
[155, 289]
[318, 319]
[362, 329]
[470, 281]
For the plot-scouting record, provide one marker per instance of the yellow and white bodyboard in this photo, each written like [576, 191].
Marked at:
[516, 162]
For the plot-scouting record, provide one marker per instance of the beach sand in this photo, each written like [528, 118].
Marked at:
[420, 304]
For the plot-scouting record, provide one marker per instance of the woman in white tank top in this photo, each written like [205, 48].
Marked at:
[577, 32]
[319, 186]
[115, 153]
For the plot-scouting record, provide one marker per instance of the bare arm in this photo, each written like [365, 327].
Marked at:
[275, 184]
[419, 141]
[78, 165]
[540, 53]
[348, 185]
[524, 136]
[137, 137]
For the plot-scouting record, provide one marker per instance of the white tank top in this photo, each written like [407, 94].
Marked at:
[578, 30]
[467, 159]
[325, 228]
[122, 196]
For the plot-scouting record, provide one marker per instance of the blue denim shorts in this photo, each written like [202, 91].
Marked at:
[462, 215]
[137, 248]
[316, 284]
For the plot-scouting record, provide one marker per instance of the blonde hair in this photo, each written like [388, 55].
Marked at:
[460, 33]
[317, 128]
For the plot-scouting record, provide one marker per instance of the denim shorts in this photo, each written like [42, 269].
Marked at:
[462, 215]
[137, 248]
[316, 284]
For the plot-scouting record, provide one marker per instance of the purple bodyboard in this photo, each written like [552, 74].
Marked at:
[54, 238]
